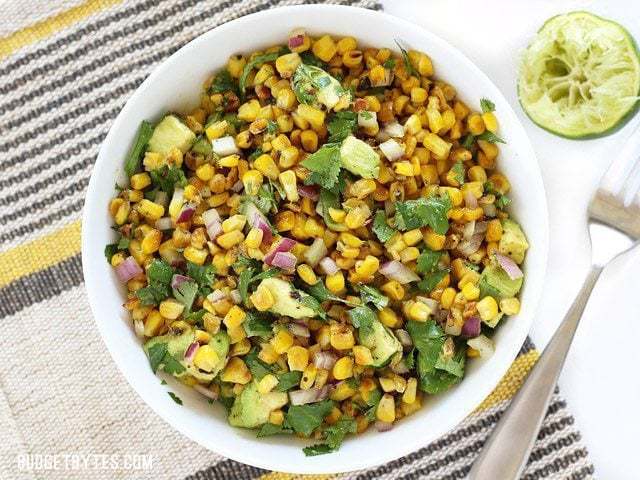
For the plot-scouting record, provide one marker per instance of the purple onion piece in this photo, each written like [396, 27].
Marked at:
[509, 266]
[471, 327]
[128, 269]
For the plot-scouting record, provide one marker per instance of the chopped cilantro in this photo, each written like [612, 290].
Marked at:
[272, 127]
[312, 303]
[389, 63]
[168, 178]
[362, 317]
[308, 58]
[254, 62]
[160, 272]
[175, 398]
[458, 170]
[152, 294]
[163, 382]
[269, 429]
[341, 125]
[159, 275]
[407, 62]
[487, 105]
[255, 154]
[160, 356]
[305, 419]
[223, 82]
[502, 201]
[427, 261]
[186, 293]
[467, 141]
[324, 165]
[257, 367]
[288, 380]
[490, 137]
[334, 436]
[430, 280]
[373, 295]
[418, 213]
[381, 228]
[257, 324]
[204, 275]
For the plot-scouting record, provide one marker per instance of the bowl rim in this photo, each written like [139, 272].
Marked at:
[227, 449]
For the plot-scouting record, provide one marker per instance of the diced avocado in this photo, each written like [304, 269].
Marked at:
[359, 158]
[494, 281]
[513, 242]
[382, 343]
[176, 344]
[288, 300]
[251, 409]
[171, 133]
[313, 86]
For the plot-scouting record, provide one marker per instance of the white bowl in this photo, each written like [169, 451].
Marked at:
[175, 85]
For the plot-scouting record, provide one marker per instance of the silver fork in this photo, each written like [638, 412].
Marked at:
[614, 228]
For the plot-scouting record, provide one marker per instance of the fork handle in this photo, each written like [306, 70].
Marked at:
[505, 454]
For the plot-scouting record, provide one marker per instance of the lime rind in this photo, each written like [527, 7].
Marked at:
[580, 77]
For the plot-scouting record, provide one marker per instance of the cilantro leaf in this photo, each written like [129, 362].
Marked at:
[186, 293]
[156, 355]
[362, 317]
[254, 62]
[123, 243]
[288, 380]
[257, 324]
[431, 211]
[195, 317]
[308, 58]
[317, 449]
[110, 250]
[272, 127]
[326, 201]
[168, 178]
[389, 63]
[255, 154]
[243, 283]
[381, 228]
[334, 435]
[430, 280]
[374, 296]
[453, 364]
[152, 294]
[204, 275]
[487, 105]
[407, 62]
[175, 398]
[172, 366]
[373, 399]
[269, 429]
[490, 137]
[223, 82]
[324, 165]
[312, 303]
[257, 367]
[467, 141]
[502, 202]
[305, 419]
[320, 292]
[458, 170]
[427, 261]
[159, 272]
[341, 125]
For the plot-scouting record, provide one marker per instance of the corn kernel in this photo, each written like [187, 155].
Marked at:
[389, 318]
[149, 209]
[267, 166]
[446, 299]
[276, 417]
[418, 311]
[386, 410]
[249, 111]
[367, 268]
[510, 306]
[337, 215]
[268, 383]
[434, 240]
[335, 282]
[409, 395]
[343, 368]
[171, 309]
[287, 64]
[268, 354]
[195, 255]
[297, 358]
[393, 289]
[487, 308]
[289, 184]
[324, 48]
[234, 317]
[412, 237]
[228, 240]
[262, 299]
[494, 231]
[475, 124]
[153, 323]
[151, 241]
[306, 273]
[236, 371]
[308, 376]
[229, 161]
[139, 181]
[470, 292]
[403, 168]
[341, 337]
[282, 341]
[314, 116]
[409, 254]
[362, 355]
[490, 121]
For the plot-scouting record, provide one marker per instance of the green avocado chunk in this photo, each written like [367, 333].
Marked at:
[359, 158]
[171, 133]
[495, 282]
[513, 242]
[382, 343]
[288, 300]
[251, 409]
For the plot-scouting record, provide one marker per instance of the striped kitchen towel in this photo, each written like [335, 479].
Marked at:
[66, 69]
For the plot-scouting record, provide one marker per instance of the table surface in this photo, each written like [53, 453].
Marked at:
[599, 380]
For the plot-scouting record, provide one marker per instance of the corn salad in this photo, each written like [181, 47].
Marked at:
[323, 242]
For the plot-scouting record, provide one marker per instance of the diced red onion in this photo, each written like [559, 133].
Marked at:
[216, 296]
[429, 302]
[471, 327]
[489, 210]
[284, 260]
[391, 149]
[398, 272]
[238, 186]
[186, 213]
[394, 129]
[299, 330]
[367, 119]
[224, 146]
[235, 296]
[178, 280]
[283, 245]
[161, 198]
[191, 351]
[329, 266]
[212, 222]
[509, 266]
[470, 246]
[205, 391]
[309, 191]
[257, 220]
[296, 38]
[470, 199]
[483, 345]
[381, 426]
[325, 360]
[404, 338]
[128, 269]
[164, 223]
[315, 252]
[138, 327]
[302, 397]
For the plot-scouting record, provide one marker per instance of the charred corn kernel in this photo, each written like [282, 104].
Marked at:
[309, 140]
[249, 111]
[470, 292]
[494, 231]
[252, 181]
[429, 174]
[287, 64]
[412, 237]
[216, 129]
[234, 317]
[151, 241]
[323, 336]
[306, 273]
[282, 341]
[403, 168]
[235, 222]
[263, 74]
[409, 395]
[288, 157]
[350, 240]
[477, 174]
[202, 337]
[500, 183]
[149, 209]
[229, 161]
[135, 195]
[135, 249]
[362, 355]
[313, 228]
[313, 115]
[386, 410]
[236, 334]
[206, 358]
[368, 267]
[341, 337]
[356, 218]
[268, 383]
[489, 149]
[195, 255]
[286, 99]
[418, 311]
[393, 289]
[490, 121]
[342, 390]
[254, 238]
[324, 48]
[337, 215]
[236, 371]
[434, 240]
[418, 95]
[205, 172]
[377, 76]
[352, 58]
[436, 145]
[335, 282]
[510, 306]
[487, 308]
[262, 299]
[409, 254]
[285, 221]
[117, 259]
[171, 308]
[243, 139]
[446, 299]
[471, 214]
[469, 276]
[153, 323]
[140, 180]
[413, 124]
[297, 358]
[387, 384]
[475, 124]
[268, 354]
[343, 368]
[308, 376]
[346, 44]
[235, 65]
[289, 184]
[389, 317]
[153, 161]
[230, 239]
[266, 165]
[362, 188]
[280, 143]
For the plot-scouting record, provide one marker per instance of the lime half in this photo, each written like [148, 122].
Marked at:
[580, 77]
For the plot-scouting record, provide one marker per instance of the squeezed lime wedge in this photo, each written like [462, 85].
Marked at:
[580, 77]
